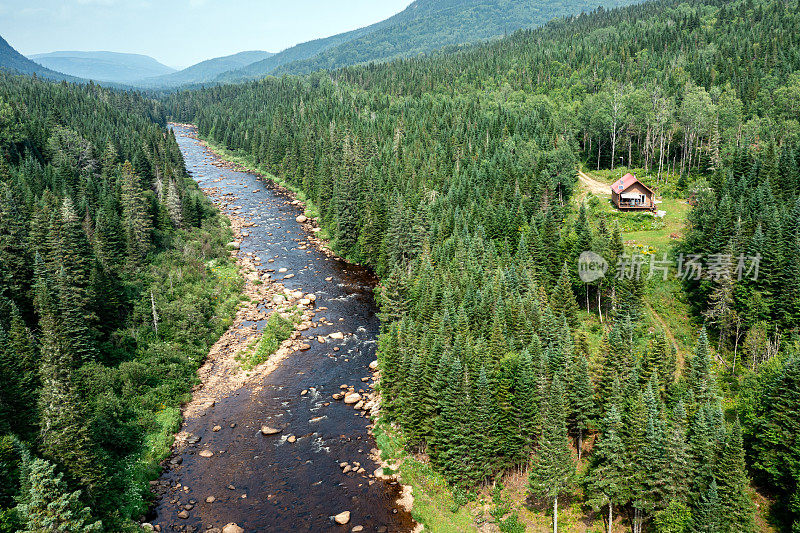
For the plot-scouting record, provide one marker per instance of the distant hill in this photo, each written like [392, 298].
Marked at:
[206, 71]
[13, 61]
[424, 26]
[103, 66]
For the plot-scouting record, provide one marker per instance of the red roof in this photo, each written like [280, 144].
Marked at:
[626, 181]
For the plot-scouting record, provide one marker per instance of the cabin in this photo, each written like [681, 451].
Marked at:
[628, 193]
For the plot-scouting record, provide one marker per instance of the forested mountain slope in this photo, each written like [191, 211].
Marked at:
[207, 70]
[114, 281]
[425, 26]
[11, 60]
[452, 176]
[103, 66]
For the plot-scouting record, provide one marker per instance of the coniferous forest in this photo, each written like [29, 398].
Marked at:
[454, 177]
[114, 281]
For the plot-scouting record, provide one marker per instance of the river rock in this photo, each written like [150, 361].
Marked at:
[304, 347]
[291, 439]
[359, 404]
[183, 514]
[373, 365]
[301, 219]
[233, 245]
[148, 527]
[206, 453]
[211, 499]
[232, 528]
[216, 428]
[342, 518]
[279, 299]
[312, 297]
[267, 430]
[282, 270]
[352, 397]
[304, 301]
[357, 529]
[338, 335]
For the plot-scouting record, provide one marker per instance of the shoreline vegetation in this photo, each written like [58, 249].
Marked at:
[414, 474]
[120, 283]
[454, 175]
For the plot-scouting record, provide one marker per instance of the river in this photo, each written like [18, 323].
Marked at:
[265, 483]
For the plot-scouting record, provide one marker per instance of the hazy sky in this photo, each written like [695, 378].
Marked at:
[182, 32]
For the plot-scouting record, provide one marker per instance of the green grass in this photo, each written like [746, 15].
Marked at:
[277, 329]
[649, 236]
[434, 503]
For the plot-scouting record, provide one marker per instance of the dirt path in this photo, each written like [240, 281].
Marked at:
[595, 187]
[668, 332]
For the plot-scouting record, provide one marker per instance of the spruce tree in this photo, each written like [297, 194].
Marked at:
[607, 479]
[581, 399]
[562, 299]
[49, 506]
[552, 468]
[737, 509]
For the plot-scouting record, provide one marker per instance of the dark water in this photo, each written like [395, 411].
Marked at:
[288, 487]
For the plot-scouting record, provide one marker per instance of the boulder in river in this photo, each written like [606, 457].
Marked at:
[232, 528]
[342, 518]
[206, 453]
[301, 219]
[337, 335]
[373, 365]
[352, 397]
[268, 430]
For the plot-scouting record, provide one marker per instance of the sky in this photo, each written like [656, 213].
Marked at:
[180, 33]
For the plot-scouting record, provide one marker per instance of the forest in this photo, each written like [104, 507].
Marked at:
[453, 175]
[114, 282]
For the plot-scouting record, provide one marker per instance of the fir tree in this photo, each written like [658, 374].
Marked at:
[50, 507]
[552, 468]
[607, 484]
[562, 299]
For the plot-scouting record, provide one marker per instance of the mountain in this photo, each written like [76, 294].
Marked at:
[12, 60]
[424, 26]
[103, 66]
[207, 70]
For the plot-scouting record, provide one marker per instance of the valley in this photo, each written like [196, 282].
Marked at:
[292, 479]
[482, 265]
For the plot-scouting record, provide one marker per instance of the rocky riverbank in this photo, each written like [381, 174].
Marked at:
[220, 418]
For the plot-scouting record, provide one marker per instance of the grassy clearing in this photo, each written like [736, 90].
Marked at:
[434, 503]
[642, 233]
